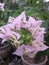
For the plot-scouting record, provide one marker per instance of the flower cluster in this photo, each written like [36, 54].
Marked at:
[2, 6]
[21, 31]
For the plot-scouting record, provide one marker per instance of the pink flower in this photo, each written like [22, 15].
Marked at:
[8, 34]
[24, 48]
[26, 25]
[20, 51]
[2, 6]
[11, 32]
[39, 46]
[31, 24]
[11, 19]
[34, 23]
[18, 21]
[10, 26]
[38, 31]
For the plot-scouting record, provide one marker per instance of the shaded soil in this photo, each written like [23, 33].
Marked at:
[11, 60]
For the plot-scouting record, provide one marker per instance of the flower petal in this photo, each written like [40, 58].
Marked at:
[29, 48]
[11, 19]
[2, 6]
[19, 51]
[43, 47]
[16, 34]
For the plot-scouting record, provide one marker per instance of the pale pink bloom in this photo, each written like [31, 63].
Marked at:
[16, 34]
[36, 46]
[2, 30]
[34, 23]
[11, 19]
[38, 31]
[1, 35]
[43, 47]
[9, 32]
[39, 46]
[16, 24]
[18, 20]
[26, 25]
[2, 6]
[20, 51]
[11, 26]
[29, 48]
[23, 16]
[10, 36]
[40, 39]
[24, 48]
[6, 34]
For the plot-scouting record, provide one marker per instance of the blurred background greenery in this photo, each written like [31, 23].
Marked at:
[35, 8]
